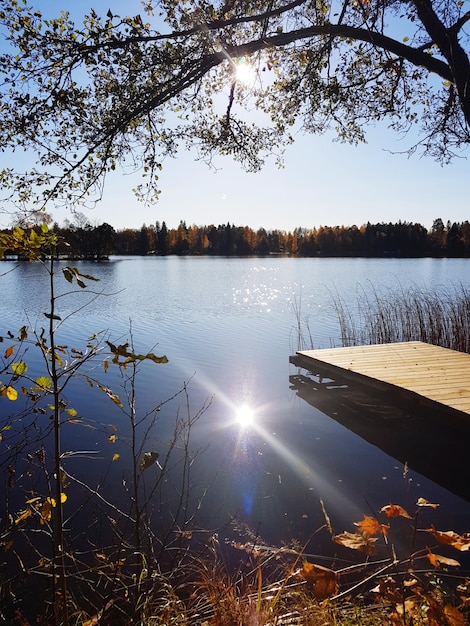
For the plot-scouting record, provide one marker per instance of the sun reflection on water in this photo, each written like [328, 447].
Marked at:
[245, 416]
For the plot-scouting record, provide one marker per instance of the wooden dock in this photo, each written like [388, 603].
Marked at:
[429, 374]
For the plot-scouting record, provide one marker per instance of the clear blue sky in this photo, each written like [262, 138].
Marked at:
[323, 182]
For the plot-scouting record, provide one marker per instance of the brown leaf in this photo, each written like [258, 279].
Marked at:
[451, 538]
[371, 526]
[148, 460]
[324, 581]
[387, 589]
[437, 559]
[357, 541]
[9, 351]
[394, 510]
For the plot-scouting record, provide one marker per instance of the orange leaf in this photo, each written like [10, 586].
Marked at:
[394, 510]
[324, 581]
[371, 526]
[357, 541]
[437, 559]
[450, 538]
[453, 616]
[9, 351]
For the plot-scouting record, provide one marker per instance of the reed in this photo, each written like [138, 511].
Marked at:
[440, 317]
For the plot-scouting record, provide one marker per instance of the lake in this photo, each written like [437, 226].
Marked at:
[228, 327]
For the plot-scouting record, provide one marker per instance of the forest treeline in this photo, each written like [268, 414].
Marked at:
[374, 240]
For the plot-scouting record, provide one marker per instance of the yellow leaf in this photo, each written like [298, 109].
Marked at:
[22, 515]
[43, 382]
[71, 412]
[46, 511]
[12, 394]
[112, 438]
[116, 457]
[101, 557]
[19, 368]
[63, 497]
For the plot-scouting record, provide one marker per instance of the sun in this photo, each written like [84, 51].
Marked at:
[244, 72]
[245, 415]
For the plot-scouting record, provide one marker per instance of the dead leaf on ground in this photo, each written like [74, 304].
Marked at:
[324, 581]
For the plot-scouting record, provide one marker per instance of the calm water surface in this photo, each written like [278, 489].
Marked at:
[228, 327]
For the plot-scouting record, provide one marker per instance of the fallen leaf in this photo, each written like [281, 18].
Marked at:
[395, 510]
[112, 438]
[324, 581]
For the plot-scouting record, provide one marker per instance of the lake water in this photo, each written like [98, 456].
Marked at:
[228, 327]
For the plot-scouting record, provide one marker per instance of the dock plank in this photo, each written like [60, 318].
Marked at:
[433, 373]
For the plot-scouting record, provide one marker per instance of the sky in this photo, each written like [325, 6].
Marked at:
[322, 183]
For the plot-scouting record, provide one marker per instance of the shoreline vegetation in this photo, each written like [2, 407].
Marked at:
[381, 240]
